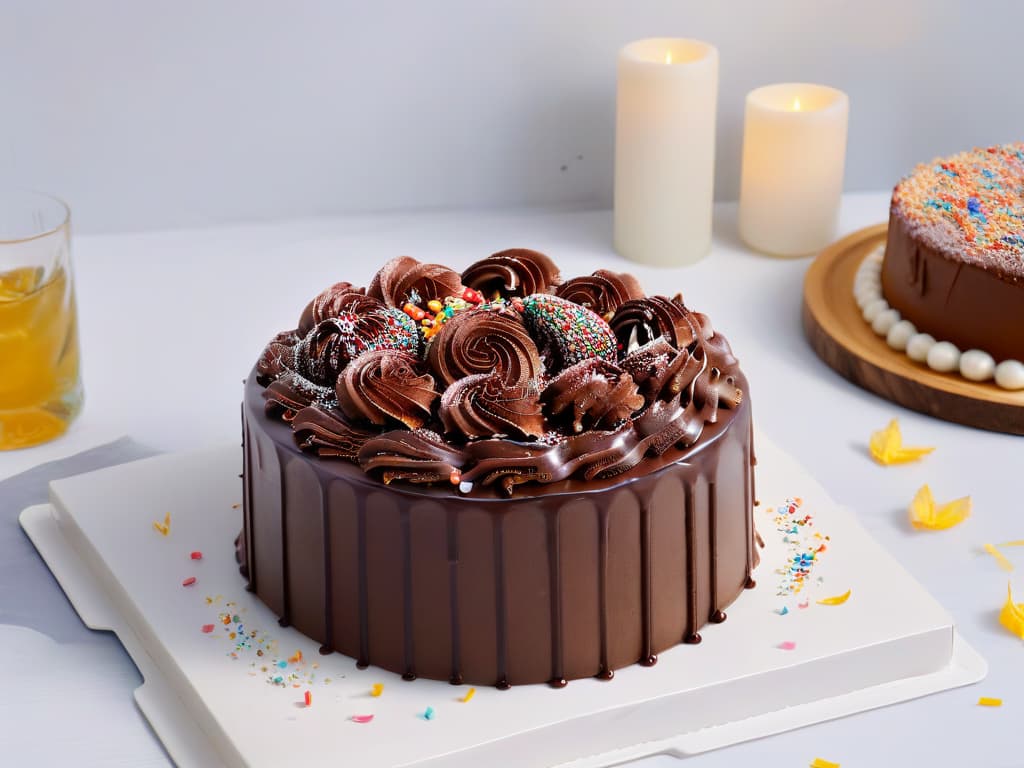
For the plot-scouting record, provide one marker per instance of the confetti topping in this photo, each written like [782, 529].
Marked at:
[308, 698]
[207, 628]
[469, 695]
[886, 446]
[377, 690]
[837, 600]
[428, 713]
[197, 555]
[986, 701]
[163, 528]
[804, 548]
[1012, 615]
[786, 645]
[361, 718]
[189, 581]
[925, 514]
[970, 204]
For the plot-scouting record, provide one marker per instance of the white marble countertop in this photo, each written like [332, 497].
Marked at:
[172, 321]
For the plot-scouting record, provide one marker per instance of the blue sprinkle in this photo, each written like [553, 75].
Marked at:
[782, 611]
[282, 664]
[973, 205]
[428, 714]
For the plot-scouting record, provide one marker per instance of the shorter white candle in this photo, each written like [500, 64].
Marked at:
[794, 148]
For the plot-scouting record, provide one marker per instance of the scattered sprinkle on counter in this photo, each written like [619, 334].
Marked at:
[377, 690]
[189, 581]
[469, 695]
[987, 701]
[308, 698]
[362, 718]
[163, 528]
[428, 713]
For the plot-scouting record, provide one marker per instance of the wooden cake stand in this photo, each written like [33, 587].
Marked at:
[841, 337]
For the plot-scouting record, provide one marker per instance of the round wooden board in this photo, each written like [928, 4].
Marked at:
[841, 337]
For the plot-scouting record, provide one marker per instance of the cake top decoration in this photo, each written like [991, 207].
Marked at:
[972, 204]
[500, 376]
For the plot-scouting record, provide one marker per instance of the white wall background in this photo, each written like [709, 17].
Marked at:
[194, 112]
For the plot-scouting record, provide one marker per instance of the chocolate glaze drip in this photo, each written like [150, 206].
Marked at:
[386, 384]
[692, 636]
[515, 272]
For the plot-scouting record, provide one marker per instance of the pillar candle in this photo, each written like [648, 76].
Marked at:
[665, 150]
[794, 148]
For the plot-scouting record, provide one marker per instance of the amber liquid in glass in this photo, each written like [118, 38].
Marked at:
[40, 390]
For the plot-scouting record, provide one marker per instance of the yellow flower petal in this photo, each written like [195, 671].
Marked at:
[1001, 559]
[926, 515]
[886, 446]
[1012, 615]
[837, 600]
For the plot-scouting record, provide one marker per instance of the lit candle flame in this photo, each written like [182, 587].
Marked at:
[796, 105]
[668, 57]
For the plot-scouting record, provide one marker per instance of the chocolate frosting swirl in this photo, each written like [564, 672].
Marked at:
[640, 320]
[485, 341]
[277, 357]
[328, 433]
[594, 394]
[481, 405]
[420, 456]
[661, 370]
[333, 302]
[601, 292]
[386, 384]
[404, 280]
[515, 272]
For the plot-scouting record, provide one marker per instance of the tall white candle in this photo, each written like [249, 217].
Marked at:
[794, 148]
[665, 150]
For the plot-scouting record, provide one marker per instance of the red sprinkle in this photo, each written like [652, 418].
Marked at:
[207, 628]
[197, 555]
[309, 699]
[189, 581]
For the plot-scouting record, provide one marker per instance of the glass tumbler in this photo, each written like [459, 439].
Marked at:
[40, 382]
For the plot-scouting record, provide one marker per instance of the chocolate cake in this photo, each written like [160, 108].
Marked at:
[498, 477]
[954, 260]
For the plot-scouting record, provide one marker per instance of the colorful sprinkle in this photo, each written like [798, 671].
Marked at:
[428, 713]
[786, 645]
[970, 203]
[377, 690]
[986, 701]
[469, 695]
[782, 611]
[308, 698]
[189, 581]
[820, 762]
[207, 628]
[573, 332]
[361, 718]
[197, 555]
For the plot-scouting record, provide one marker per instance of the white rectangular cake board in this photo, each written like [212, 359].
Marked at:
[213, 702]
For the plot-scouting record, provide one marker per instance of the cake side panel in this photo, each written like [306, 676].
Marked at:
[624, 588]
[733, 518]
[532, 596]
[478, 615]
[670, 546]
[385, 565]
[305, 524]
[951, 300]
[432, 577]
[343, 551]
[264, 480]
[579, 548]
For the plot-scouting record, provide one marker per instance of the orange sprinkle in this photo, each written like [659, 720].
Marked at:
[309, 699]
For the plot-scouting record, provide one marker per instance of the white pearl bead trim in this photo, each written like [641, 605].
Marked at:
[901, 335]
